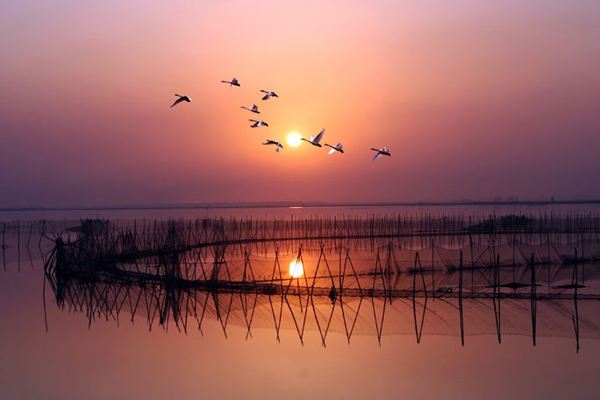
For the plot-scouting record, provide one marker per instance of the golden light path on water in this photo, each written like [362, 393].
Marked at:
[296, 268]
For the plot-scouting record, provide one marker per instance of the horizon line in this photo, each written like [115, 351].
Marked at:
[300, 204]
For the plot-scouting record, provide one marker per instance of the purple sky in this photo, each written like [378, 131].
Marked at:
[474, 100]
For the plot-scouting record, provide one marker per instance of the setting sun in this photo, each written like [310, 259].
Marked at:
[293, 139]
[296, 268]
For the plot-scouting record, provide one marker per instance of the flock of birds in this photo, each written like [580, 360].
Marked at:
[257, 123]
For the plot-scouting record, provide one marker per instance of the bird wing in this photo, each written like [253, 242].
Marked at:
[319, 136]
[179, 100]
[331, 151]
[266, 96]
[339, 146]
[376, 156]
[254, 108]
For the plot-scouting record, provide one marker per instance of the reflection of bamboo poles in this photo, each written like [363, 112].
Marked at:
[244, 295]
[432, 267]
[18, 245]
[378, 321]
[4, 245]
[350, 330]
[419, 328]
[472, 261]
[460, 300]
[277, 319]
[575, 317]
[533, 301]
[496, 300]
[348, 260]
[107, 298]
[180, 284]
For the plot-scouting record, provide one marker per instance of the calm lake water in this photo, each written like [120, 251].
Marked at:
[297, 211]
[371, 317]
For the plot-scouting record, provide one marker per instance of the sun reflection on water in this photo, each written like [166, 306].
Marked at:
[296, 268]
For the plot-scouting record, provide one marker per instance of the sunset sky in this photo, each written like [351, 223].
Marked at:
[475, 99]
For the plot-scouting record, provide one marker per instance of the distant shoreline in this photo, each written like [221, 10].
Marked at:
[291, 204]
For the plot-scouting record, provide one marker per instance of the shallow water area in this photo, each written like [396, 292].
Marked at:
[445, 315]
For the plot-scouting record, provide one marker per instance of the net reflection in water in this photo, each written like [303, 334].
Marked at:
[508, 283]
